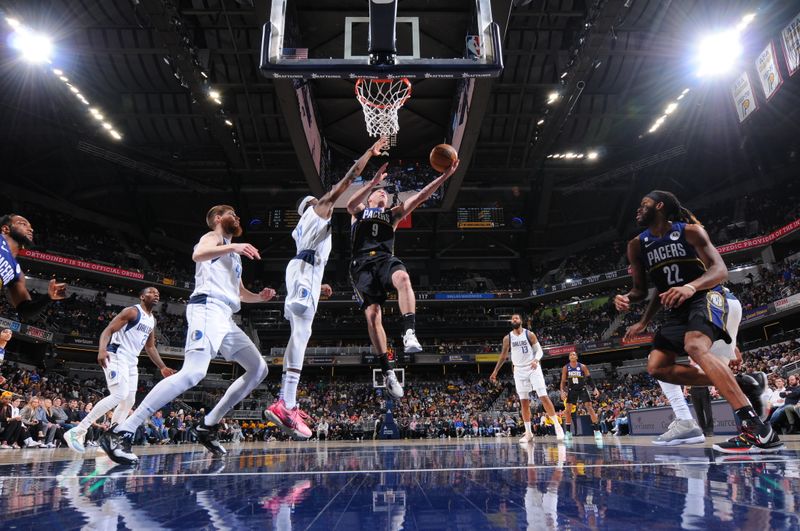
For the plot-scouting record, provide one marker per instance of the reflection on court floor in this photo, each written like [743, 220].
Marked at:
[449, 484]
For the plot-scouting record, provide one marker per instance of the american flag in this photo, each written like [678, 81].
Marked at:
[295, 53]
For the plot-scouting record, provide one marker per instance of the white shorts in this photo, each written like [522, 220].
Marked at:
[210, 327]
[122, 374]
[528, 380]
[303, 283]
[722, 350]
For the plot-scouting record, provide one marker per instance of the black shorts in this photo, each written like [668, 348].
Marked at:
[579, 395]
[371, 276]
[706, 312]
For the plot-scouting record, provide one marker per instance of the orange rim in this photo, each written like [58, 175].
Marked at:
[399, 103]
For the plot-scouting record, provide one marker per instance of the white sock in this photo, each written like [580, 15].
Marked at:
[293, 358]
[100, 409]
[528, 427]
[677, 401]
[290, 389]
[283, 383]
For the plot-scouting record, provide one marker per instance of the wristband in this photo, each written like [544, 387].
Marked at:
[694, 289]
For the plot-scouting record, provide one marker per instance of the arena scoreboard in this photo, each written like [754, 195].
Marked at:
[282, 218]
[480, 218]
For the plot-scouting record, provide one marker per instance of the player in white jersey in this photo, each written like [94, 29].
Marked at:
[217, 296]
[303, 288]
[118, 354]
[526, 353]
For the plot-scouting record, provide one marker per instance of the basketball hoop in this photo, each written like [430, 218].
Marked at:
[381, 99]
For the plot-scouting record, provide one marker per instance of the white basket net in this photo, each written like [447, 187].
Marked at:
[381, 99]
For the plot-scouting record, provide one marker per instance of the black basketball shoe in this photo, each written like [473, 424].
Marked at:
[749, 441]
[207, 436]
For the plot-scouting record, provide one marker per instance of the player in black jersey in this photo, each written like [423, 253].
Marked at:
[374, 270]
[16, 233]
[687, 270]
[575, 377]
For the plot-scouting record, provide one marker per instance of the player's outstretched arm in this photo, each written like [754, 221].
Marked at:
[155, 357]
[324, 208]
[356, 202]
[411, 203]
[210, 247]
[116, 324]
[501, 360]
[29, 307]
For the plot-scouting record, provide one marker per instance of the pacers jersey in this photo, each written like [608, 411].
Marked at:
[9, 268]
[670, 260]
[575, 377]
[128, 341]
[373, 231]
[219, 279]
[521, 349]
[313, 234]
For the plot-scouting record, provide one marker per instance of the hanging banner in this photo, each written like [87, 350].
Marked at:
[790, 38]
[768, 72]
[743, 97]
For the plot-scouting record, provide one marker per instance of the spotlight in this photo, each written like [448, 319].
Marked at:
[592, 155]
[580, 155]
[552, 97]
[671, 108]
[14, 23]
[58, 72]
[746, 20]
[228, 123]
[63, 78]
[540, 122]
[107, 125]
[34, 47]
[213, 94]
[718, 53]
[116, 135]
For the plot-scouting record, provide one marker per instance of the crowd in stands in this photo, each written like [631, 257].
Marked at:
[37, 406]
[761, 213]
[87, 317]
[770, 286]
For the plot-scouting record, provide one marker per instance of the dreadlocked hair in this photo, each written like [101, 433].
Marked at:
[673, 209]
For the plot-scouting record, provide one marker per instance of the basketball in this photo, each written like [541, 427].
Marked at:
[442, 156]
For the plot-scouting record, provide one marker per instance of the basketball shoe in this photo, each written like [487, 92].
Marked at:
[393, 386]
[74, 439]
[117, 447]
[207, 436]
[681, 432]
[750, 441]
[411, 343]
[291, 421]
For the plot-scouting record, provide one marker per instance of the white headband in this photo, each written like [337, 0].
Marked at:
[304, 204]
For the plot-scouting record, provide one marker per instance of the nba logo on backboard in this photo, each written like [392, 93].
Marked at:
[474, 46]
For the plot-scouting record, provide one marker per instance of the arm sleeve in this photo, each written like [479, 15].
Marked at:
[538, 353]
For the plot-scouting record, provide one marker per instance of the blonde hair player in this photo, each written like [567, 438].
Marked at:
[526, 353]
[375, 270]
[304, 286]
[218, 294]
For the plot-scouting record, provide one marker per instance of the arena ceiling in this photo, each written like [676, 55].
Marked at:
[615, 65]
